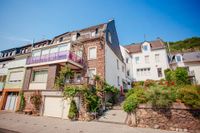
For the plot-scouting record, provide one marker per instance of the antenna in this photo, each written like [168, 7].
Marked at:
[144, 37]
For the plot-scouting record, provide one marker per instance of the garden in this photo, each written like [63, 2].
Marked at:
[159, 97]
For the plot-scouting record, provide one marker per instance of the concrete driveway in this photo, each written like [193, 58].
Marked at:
[14, 122]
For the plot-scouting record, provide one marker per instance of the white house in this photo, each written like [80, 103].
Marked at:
[129, 66]
[149, 60]
[190, 61]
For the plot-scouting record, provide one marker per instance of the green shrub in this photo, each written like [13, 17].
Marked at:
[70, 91]
[133, 98]
[181, 76]
[92, 101]
[73, 111]
[22, 101]
[190, 95]
[170, 75]
[138, 83]
[160, 97]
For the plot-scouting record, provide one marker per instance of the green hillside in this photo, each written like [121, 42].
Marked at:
[189, 44]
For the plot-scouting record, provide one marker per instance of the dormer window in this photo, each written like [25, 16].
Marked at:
[145, 48]
[178, 58]
[78, 35]
[61, 39]
[94, 33]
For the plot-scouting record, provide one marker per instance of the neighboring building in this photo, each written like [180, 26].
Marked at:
[5, 57]
[190, 61]
[88, 52]
[149, 60]
[15, 78]
[129, 66]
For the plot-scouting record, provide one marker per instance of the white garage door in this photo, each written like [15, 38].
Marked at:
[56, 107]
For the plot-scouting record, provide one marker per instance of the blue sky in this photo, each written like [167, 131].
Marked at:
[21, 21]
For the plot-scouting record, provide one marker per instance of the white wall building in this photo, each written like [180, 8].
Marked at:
[149, 60]
[190, 61]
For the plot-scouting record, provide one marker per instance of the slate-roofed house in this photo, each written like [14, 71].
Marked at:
[188, 60]
[149, 60]
[91, 51]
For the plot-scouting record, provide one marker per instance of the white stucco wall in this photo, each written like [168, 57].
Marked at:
[4, 70]
[17, 63]
[111, 70]
[153, 65]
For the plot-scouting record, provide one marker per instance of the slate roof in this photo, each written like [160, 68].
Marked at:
[136, 47]
[188, 56]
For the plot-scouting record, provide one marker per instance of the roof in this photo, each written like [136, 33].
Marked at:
[136, 47]
[188, 56]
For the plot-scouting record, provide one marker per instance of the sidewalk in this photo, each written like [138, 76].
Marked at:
[31, 124]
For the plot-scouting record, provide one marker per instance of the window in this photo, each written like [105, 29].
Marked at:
[128, 72]
[92, 53]
[143, 72]
[118, 81]
[36, 53]
[16, 76]
[137, 60]
[54, 50]
[94, 33]
[117, 64]
[122, 68]
[145, 48]
[109, 38]
[40, 76]
[45, 52]
[178, 58]
[61, 39]
[157, 57]
[146, 58]
[126, 60]
[159, 72]
[91, 73]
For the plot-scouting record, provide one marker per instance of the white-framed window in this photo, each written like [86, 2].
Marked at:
[178, 58]
[123, 68]
[109, 37]
[159, 70]
[117, 64]
[157, 57]
[91, 72]
[16, 76]
[40, 76]
[143, 72]
[137, 60]
[146, 58]
[92, 53]
[74, 37]
[128, 72]
[127, 59]
[118, 81]
[145, 48]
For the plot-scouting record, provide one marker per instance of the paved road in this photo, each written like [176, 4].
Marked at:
[31, 124]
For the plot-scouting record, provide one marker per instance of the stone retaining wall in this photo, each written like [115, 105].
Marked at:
[177, 118]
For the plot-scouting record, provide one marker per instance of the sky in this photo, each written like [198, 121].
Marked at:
[22, 21]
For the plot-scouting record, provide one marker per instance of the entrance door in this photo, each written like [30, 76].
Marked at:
[11, 101]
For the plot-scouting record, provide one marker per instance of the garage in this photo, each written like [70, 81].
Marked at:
[56, 107]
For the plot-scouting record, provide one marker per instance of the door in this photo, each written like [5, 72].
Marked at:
[56, 107]
[11, 101]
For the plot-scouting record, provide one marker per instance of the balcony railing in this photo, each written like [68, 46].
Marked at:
[54, 57]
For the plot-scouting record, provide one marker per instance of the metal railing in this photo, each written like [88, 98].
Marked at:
[55, 56]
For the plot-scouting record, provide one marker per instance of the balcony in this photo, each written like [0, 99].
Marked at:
[55, 57]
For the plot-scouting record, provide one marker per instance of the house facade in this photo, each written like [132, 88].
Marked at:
[87, 52]
[14, 79]
[149, 60]
[190, 61]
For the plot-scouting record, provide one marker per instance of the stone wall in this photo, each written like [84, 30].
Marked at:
[177, 118]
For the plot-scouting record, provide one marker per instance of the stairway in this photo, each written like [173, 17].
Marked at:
[116, 115]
